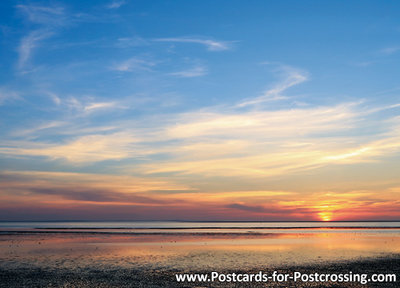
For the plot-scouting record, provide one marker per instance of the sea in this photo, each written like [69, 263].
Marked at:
[190, 245]
[131, 226]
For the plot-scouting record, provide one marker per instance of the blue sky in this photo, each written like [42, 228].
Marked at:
[227, 98]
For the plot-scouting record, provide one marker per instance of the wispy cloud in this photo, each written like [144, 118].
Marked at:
[147, 198]
[49, 18]
[82, 104]
[126, 42]
[87, 105]
[88, 148]
[134, 64]
[196, 71]
[29, 132]
[363, 63]
[85, 187]
[8, 95]
[292, 77]
[45, 15]
[230, 143]
[247, 207]
[211, 45]
[390, 50]
[29, 43]
[261, 143]
[221, 141]
[273, 124]
[116, 4]
[54, 97]
[99, 105]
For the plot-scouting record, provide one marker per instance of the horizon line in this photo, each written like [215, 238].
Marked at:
[208, 221]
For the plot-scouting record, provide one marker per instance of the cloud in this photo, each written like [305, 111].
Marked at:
[39, 128]
[255, 144]
[149, 198]
[291, 78]
[99, 105]
[49, 18]
[90, 194]
[390, 50]
[116, 4]
[8, 95]
[211, 45]
[134, 64]
[246, 207]
[230, 143]
[45, 15]
[127, 42]
[88, 148]
[84, 187]
[54, 97]
[29, 43]
[350, 154]
[196, 71]
[275, 209]
[363, 63]
[86, 104]
[264, 124]
[221, 141]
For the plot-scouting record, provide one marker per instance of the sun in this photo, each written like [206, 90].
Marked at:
[325, 216]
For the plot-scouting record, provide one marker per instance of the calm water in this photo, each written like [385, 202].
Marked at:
[191, 225]
[192, 246]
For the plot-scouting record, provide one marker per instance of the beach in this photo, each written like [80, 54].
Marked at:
[140, 257]
[123, 277]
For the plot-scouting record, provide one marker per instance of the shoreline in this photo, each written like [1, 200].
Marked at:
[38, 229]
[169, 230]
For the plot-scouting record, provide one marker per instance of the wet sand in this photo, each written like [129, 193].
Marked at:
[148, 259]
[123, 277]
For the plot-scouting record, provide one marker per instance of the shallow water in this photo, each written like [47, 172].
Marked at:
[187, 224]
[193, 249]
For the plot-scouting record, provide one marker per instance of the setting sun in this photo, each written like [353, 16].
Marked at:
[325, 216]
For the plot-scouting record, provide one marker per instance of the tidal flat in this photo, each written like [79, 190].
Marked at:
[152, 257]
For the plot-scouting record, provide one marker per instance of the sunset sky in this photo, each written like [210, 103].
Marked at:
[200, 110]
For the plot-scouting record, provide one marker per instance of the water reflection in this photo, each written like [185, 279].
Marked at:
[196, 250]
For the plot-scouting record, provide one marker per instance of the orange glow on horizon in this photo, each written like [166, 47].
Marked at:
[90, 196]
[325, 216]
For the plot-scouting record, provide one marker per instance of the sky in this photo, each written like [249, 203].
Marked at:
[200, 110]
